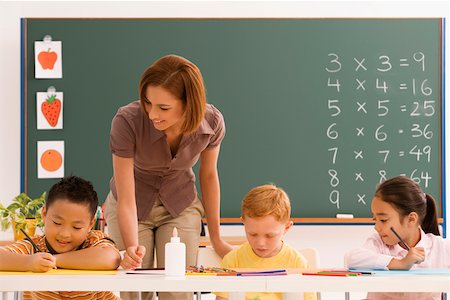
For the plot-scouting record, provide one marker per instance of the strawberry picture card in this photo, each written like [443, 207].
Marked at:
[49, 110]
[48, 59]
[50, 159]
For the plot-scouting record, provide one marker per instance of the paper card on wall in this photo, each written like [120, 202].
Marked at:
[48, 59]
[50, 159]
[49, 109]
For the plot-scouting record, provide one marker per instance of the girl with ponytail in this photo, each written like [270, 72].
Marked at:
[155, 142]
[407, 235]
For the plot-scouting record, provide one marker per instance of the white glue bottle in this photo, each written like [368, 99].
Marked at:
[175, 256]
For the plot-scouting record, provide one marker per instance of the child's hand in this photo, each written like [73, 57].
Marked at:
[41, 262]
[133, 257]
[414, 256]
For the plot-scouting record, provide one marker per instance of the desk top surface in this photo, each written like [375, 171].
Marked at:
[120, 281]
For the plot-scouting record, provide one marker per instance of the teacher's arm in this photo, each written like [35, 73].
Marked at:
[127, 211]
[209, 184]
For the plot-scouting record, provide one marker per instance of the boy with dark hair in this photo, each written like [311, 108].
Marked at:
[69, 241]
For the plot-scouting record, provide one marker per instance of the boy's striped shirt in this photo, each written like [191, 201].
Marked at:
[95, 238]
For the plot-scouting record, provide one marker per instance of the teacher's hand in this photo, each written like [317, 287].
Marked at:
[221, 247]
[133, 257]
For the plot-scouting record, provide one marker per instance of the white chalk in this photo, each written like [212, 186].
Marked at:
[344, 216]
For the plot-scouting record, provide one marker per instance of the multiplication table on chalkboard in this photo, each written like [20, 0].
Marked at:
[383, 111]
[324, 108]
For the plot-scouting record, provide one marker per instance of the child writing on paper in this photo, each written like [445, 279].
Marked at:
[68, 242]
[405, 217]
[266, 213]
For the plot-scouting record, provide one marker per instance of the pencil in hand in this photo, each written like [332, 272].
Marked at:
[28, 238]
[36, 248]
[400, 239]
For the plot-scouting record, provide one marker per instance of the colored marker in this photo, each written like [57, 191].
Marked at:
[400, 239]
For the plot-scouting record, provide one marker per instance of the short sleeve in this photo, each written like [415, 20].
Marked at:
[97, 238]
[122, 139]
[301, 261]
[19, 247]
[229, 259]
[218, 125]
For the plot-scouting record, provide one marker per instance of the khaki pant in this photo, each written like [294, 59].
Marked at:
[155, 232]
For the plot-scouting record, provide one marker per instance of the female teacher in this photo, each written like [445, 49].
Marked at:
[155, 142]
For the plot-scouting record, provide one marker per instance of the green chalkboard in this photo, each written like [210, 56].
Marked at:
[325, 108]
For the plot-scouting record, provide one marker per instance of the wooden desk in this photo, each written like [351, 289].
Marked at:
[370, 283]
[292, 285]
[237, 286]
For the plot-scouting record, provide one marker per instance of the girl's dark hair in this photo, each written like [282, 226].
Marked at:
[76, 190]
[406, 196]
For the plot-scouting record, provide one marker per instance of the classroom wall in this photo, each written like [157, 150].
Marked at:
[331, 241]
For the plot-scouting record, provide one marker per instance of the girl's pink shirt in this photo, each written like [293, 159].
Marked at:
[375, 254]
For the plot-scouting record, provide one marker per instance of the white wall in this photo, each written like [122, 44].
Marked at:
[331, 241]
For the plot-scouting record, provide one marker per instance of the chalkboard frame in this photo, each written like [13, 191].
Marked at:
[24, 113]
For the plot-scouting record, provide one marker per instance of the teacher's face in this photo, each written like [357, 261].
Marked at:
[164, 109]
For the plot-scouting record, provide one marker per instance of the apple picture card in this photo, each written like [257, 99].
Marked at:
[50, 159]
[49, 109]
[48, 59]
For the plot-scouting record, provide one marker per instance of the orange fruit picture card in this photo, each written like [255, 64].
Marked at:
[50, 159]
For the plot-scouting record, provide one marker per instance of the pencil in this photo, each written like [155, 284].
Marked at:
[400, 239]
[27, 237]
